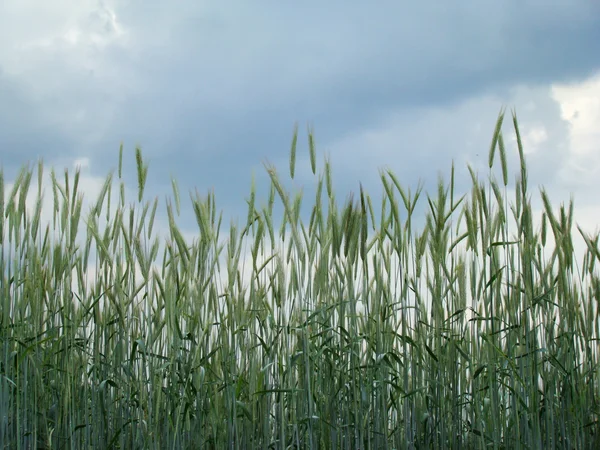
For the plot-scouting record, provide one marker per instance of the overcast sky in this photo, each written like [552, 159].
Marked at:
[211, 90]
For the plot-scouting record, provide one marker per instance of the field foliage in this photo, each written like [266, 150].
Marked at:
[354, 330]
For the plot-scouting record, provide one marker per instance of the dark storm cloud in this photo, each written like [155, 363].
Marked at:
[26, 133]
[342, 66]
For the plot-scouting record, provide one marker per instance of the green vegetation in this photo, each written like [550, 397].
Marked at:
[355, 331]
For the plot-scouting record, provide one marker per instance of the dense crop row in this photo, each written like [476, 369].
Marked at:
[354, 331]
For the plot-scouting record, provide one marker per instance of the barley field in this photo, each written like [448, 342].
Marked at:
[356, 330]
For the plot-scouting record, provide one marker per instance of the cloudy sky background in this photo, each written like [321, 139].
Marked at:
[211, 90]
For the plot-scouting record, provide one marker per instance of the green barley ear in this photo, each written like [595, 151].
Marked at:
[364, 224]
[328, 181]
[142, 172]
[120, 161]
[312, 149]
[592, 248]
[521, 156]
[544, 229]
[152, 215]
[75, 186]
[176, 195]
[293, 152]
[503, 159]
[55, 204]
[495, 138]
[251, 212]
[40, 175]
[271, 198]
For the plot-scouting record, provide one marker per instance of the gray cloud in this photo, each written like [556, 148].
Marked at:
[343, 68]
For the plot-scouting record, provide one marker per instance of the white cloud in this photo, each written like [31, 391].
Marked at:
[580, 108]
[535, 136]
[60, 58]
[68, 29]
